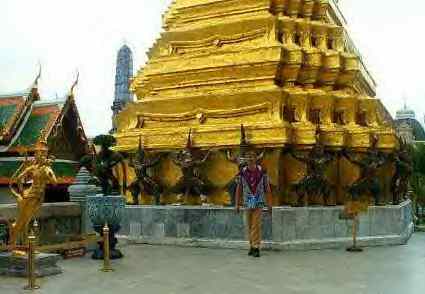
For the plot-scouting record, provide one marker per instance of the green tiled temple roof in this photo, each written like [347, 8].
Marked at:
[7, 168]
[63, 170]
[6, 112]
[32, 129]
[42, 118]
[25, 119]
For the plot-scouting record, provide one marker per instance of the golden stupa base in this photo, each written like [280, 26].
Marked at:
[284, 71]
[332, 136]
[303, 134]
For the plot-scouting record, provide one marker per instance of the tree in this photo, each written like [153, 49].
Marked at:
[103, 163]
[417, 180]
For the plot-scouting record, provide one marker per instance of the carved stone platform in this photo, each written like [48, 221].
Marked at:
[45, 265]
[288, 228]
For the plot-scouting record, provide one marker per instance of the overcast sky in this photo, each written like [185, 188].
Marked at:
[86, 34]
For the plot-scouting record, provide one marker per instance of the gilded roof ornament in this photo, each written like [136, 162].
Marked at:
[34, 87]
[37, 78]
[71, 92]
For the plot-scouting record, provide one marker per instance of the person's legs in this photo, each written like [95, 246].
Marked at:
[249, 224]
[256, 230]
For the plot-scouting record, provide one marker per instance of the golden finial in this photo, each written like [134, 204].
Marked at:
[34, 87]
[71, 92]
[37, 78]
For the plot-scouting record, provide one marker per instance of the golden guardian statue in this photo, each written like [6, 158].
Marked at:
[28, 186]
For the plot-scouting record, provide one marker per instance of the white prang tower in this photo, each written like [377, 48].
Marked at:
[123, 75]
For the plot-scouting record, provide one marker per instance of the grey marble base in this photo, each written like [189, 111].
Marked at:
[58, 221]
[45, 265]
[288, 228]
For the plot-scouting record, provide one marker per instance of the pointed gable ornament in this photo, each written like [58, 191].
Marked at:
[35, 96]
[71, 92]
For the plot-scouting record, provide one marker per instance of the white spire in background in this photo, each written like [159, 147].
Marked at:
[405, 112]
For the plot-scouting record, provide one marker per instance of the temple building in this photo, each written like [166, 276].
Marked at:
[123, 75]
[407, 126]
[285, 69]
[25, 118]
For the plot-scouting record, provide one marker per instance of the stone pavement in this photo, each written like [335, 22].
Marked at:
[161, 269]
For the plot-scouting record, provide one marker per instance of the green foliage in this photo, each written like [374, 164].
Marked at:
[105, 141]
[417, 183]
[87, 162]
[418, 130]
[418, 155]
[103, 163]
[417, 180]
[3, 233]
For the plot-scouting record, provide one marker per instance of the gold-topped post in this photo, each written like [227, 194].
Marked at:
[106, 251]
[36, 229]
[31, 262]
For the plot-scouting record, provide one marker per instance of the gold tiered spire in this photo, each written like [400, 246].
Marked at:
[283, 68]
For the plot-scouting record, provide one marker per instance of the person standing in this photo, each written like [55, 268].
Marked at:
[253, 187]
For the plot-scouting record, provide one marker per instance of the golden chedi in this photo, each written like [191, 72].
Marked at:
[285, 69]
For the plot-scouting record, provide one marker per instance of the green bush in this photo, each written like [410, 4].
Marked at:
[105, 141]
[417, 181]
